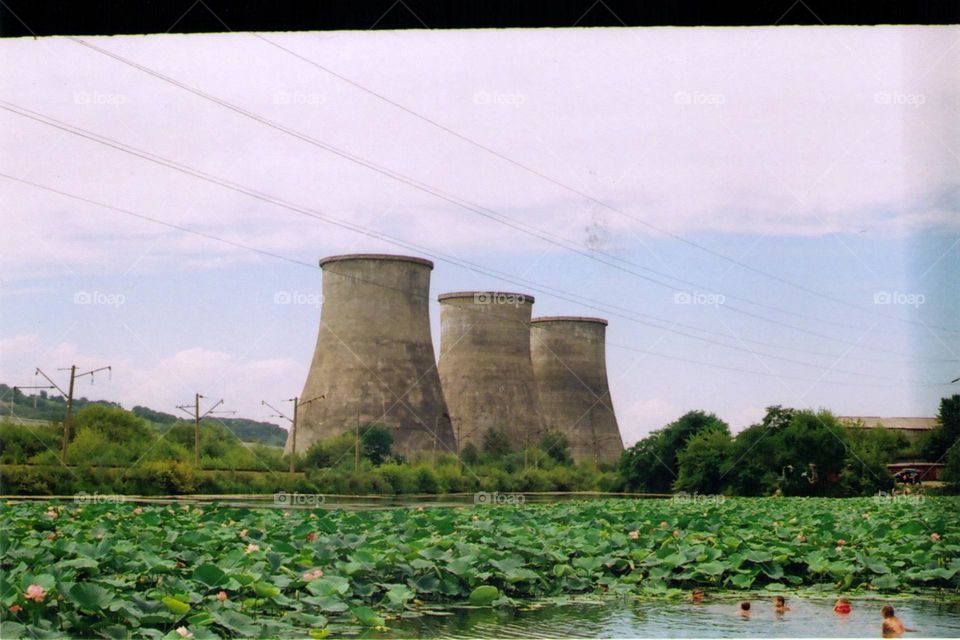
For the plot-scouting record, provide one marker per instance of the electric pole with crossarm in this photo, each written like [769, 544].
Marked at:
[197, 417]
[68, 395]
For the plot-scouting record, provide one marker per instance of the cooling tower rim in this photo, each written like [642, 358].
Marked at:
[376, 256]
[569, 319]
[525, 297]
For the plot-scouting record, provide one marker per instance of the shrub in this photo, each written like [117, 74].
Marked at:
[400, 477]
[555, 445]
[450, 479]
[426, 480]
[19, 443]
[160, 478]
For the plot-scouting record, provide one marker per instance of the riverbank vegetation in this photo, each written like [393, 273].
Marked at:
[789, 452]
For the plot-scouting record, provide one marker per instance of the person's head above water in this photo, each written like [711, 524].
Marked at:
[745, 606]
[887, 611]
[697, 595]
[779, 601]
[842, 606]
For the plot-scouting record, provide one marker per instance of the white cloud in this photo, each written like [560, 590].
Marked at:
[755, 131]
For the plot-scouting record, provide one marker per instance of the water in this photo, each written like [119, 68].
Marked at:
[630, 618]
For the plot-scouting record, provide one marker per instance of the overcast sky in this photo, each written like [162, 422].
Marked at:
[827, 160]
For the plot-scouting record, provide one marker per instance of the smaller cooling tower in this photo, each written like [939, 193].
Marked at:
[485, 366]
[374, 359]
[569, 366]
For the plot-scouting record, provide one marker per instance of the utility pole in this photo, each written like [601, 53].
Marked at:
[293, 427]
[197, 417]
[69, 397]
[356, 443]
[436, 425]
[459, 463]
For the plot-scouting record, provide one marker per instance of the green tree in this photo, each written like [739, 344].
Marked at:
[496, 443]
[750, 469]
[115, 424]
[703, 462]
[951, 469]
[469, 454]
[651, 464]
[947, 432]
[556, 445]
[376, 443]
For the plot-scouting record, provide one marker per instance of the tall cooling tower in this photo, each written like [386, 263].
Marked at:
[485, 366]
[374, 361]
[569, 366]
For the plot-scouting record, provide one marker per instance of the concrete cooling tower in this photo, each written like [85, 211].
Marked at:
[485, 366]
[569, 365]
[374, 360]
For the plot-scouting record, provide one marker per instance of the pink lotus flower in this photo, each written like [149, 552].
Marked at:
[841, 542]
[251, 548]
[311, 536]
[663, 524]
[676, 533]
[222, 596]
[313, 575]
[137, 511]
[184, 633]
[801, 537]
[16, 608]
[934, 536]
[634, 534]
[36, 593]
[243, 533]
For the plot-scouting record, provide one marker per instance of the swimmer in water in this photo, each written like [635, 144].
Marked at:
[780, 604]
[842, 607]
[892, 626]
[745, 609]
[697, 596]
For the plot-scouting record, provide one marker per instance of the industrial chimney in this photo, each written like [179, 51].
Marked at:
[374, 361]
[569, 366]
[485, 366]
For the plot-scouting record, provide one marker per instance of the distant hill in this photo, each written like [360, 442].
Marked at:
[52, 407]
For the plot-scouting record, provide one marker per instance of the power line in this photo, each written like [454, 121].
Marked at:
[583, 194]
[146, 155]
[669, 329]
[479, 210]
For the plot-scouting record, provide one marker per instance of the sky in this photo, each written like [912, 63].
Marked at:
[764, 215]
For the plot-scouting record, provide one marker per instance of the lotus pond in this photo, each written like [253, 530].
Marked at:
[215, 570]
